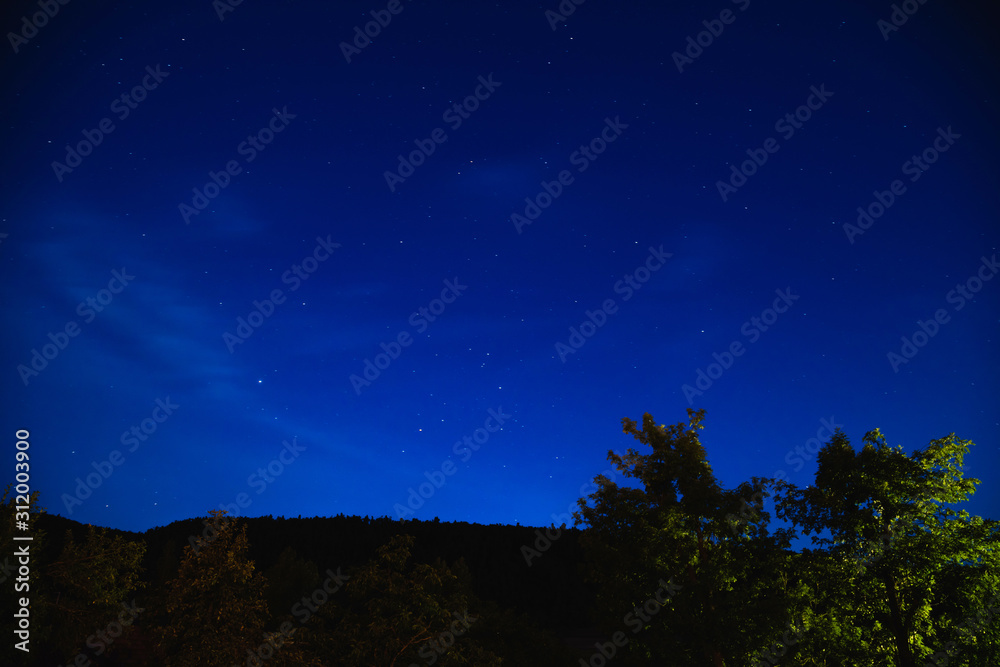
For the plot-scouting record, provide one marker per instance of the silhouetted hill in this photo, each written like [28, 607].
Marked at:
[550, 589]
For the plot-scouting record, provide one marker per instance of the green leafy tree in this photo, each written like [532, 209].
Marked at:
[80, 592]
[292, 583]
[215, 606]
[517, 639]
[90, 593]
[287, 580]
[900, 570]
[677, 524]
[393, 612]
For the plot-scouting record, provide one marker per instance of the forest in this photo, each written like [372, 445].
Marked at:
[875, 563]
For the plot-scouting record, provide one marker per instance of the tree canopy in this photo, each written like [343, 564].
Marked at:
[900, 575]
[668, 567]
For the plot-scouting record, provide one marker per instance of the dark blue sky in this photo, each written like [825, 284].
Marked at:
[528, 223]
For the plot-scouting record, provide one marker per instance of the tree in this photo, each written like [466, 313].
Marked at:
[287, 580]
[396, 613]
[215, 606]
[80, 592]
[900, 570]
[90, 593]
[679, 526]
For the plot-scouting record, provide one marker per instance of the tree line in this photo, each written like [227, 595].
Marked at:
[667, 567]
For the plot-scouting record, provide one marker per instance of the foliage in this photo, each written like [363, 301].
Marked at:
[287, 580]
[79, 588]
[900, 567]
[679, 525]
[215, 606]
[393, 612]
[91, 586]
[678, 569]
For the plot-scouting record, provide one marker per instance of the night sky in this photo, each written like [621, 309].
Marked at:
[253, 258]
